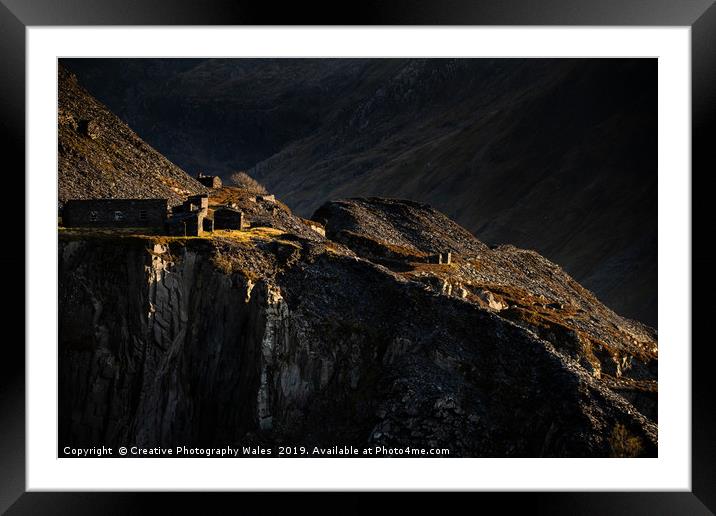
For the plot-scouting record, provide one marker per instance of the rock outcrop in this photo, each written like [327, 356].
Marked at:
[283, 336]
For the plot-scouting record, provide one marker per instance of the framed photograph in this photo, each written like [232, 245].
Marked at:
[429, 248]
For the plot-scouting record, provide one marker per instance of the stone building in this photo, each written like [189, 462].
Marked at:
[228, 218]
[198, 202]
[125, 213]
[440, 258]
[186, 224]
[209, 181]
[191, 218]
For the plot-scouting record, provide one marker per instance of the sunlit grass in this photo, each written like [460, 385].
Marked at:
[245, 235]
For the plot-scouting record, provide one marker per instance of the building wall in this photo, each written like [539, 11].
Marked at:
[188, 225]
[440, 258]
[115, 213]
[210, 181]
[228, 219]
[197, 202]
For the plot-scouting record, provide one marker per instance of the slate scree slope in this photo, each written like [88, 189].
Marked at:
[340, 330]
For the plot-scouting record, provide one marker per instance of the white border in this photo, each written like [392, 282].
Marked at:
[670, 471]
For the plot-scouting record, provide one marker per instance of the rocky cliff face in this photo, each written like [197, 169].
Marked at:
[280, 335]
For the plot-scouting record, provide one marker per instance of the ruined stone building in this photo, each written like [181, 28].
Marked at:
[127, 213]
[192, 203]
[191, 218]
[228, 218]
[189, 224]
[440, 258]
[209, 181]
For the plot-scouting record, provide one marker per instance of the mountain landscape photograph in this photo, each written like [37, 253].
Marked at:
[348, 257]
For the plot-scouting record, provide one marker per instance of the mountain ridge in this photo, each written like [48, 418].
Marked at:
[553, 155]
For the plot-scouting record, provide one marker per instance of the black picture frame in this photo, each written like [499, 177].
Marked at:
[700, 15]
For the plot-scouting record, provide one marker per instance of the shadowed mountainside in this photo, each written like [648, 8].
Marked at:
[553, 155]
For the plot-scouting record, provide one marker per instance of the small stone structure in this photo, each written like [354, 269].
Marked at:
[186, 224]
[209, 181]
[228, 218]
[440, 258]
[118, 213]
[195, 203]
[191, 218]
